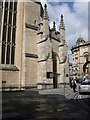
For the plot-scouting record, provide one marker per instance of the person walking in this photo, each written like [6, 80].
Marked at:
[74, 85]
[70, 82]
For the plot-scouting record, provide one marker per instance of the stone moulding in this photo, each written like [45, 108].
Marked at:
[8, 67]
[45, 39]
[52, 37]
[44, 83]
[31, 55]
[34, 27]
[61, 45]
[40, 33]
[77, 46]
[47, 57]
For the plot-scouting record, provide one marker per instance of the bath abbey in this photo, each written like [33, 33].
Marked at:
[32, 55]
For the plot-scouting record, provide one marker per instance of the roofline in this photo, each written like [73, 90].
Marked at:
[77, 46]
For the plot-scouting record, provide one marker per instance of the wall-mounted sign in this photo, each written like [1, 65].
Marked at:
[52, 74]
[67, 75]
[49, 74]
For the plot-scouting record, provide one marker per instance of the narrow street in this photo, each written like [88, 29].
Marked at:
[31, 105]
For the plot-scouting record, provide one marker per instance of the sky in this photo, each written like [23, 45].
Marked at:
[75, 18]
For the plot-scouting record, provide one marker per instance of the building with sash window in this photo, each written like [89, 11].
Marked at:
[81, 58]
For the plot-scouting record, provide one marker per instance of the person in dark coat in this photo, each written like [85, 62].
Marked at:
[74, 85]
[70, 82]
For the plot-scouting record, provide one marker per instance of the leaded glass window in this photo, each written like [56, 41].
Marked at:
[9, 32]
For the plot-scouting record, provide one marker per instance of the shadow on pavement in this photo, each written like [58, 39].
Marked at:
[33, 106]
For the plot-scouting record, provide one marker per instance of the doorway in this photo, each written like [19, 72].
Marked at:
[54, 71]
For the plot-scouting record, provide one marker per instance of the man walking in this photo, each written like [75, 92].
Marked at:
[74, 85]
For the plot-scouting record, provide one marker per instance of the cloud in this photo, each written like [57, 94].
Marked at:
[75, 18]
[64, 0]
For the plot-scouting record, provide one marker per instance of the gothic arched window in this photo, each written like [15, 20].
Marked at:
[8, 32]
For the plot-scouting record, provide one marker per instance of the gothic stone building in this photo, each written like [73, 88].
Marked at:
[80, 55]
[32, 54]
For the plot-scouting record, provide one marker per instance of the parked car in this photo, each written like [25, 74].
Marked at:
[78, 80]
[84, 87]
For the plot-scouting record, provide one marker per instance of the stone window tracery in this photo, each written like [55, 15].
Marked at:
[8, 32]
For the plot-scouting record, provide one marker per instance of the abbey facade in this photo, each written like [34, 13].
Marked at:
[32, 55]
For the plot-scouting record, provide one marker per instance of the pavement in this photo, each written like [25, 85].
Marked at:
[66, 91]
[42, 104]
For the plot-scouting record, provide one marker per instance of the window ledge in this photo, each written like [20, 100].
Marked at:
[8, 67]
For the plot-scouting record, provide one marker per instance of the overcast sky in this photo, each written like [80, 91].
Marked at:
[75, 18]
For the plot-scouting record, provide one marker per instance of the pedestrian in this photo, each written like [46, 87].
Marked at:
[70, 82]
[74, 85]
[84, 78]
